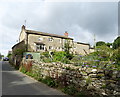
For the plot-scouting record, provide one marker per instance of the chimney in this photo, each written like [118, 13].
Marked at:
[66, 33]
[23, 27]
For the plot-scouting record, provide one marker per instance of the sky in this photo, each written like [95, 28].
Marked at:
[82, 20]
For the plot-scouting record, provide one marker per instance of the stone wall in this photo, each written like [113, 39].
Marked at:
[92, 81]
[17, 50]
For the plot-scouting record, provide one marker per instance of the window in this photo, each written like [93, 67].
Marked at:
[40, 47]
[60, 40]
[50, 47]
[59, 48]
[50, 39]
[40, 39]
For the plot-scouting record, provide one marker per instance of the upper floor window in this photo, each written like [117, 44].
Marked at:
[50, 39]
[40, 39]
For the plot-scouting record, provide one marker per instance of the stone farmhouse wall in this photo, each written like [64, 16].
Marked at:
[96, 81]
[56, 44]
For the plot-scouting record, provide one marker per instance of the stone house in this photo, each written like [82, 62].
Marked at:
[81, 48]
[36, 41]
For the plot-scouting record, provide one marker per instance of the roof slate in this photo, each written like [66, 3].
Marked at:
[47, 34]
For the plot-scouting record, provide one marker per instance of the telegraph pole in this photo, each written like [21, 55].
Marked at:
[25, 23]
[94, 42]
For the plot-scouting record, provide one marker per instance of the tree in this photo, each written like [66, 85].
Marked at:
[104, 52]
[100, 43]
[67, 48]
[109, 44]
[116, 43]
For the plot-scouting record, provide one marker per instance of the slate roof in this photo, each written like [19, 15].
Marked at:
[47, 34]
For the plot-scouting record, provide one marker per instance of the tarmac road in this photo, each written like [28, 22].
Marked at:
[16, 83]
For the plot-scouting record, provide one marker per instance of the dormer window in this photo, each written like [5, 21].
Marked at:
[50, 39]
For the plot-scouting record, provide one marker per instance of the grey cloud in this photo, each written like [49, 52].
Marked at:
[81, 20]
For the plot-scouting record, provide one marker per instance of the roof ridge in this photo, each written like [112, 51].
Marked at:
[45, 33]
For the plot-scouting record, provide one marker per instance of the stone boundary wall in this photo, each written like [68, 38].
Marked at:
[95, 81]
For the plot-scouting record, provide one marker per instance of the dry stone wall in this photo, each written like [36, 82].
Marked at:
[94, 81]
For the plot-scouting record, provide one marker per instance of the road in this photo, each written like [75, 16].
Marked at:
[16, 83]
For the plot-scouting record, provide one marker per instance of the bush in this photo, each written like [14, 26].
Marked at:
[116, 55]
[58, 56]
[71, 90]
[104, 53]
[50, 82]
[116, 43]
[22, 69]
[46, 54]
[100, 43]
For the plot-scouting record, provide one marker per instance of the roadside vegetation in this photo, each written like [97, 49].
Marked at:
[106, 56]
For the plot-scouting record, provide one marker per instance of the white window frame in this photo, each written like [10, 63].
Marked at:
[40, 39]
[40, 47]
[50, 47]
[50, 39]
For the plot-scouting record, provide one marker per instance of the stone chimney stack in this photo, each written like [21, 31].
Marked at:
[66, 33]
[23, 27]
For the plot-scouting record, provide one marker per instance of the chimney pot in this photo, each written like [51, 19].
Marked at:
[66, 33]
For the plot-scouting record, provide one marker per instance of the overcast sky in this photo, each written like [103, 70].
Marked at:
[81, 19]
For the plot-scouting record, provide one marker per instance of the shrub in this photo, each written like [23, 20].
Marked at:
[88, 81]
[23, 70]
[103, 52]
[46, 54]
[71, 90]
[50, 82]
[100, 43]
[58, 56]
[116, 55]
[116, 43]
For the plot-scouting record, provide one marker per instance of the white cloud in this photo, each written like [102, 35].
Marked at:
[81, 20]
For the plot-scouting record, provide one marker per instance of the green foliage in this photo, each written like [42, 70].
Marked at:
[71, 90]
[58, 56]
[104, 52]
[109, 44]
[50, 82]
[104, 86]
[20, 51]
[116, 43]
[47, 60]
[46, 54]
[9, 55]
[81, 94]
[67, 48]
[100, 43]
[45, 57]
[23, 70]
[88, 80]
[116, 55]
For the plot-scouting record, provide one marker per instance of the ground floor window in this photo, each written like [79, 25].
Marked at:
[40, 47]
[50, 47]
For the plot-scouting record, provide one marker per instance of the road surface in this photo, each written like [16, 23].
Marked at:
[16, 83]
